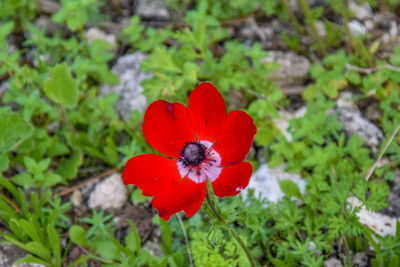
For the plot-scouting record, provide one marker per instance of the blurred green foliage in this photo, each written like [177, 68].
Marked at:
[54, 126]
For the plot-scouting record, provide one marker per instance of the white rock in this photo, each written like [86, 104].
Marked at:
[361, 11]
[265, 182]
[109, 194]
[380, 223]
[129, 89]
[369, 24]
[283, 122]
[152, 9]
[394, 30]
[321, 28]
[76, 198]
[357, 28]
[345, 100]
[97, 34]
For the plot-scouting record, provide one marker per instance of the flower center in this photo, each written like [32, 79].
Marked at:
[198, 160]
[192, 154]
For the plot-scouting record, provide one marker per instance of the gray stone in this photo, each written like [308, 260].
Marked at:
[265, 182]
[154, 9]
[45, 22]
[361, 11]
[129, 89]
[109, 194]
[294, 69]
[355, 123]
[394, 198]
[4, 86]
[9, 253]
[333, 262]
[360, 259]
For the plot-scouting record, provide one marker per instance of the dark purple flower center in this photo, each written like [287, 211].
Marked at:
[192, 154]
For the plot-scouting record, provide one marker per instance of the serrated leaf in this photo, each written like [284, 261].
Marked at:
[51, 179]
[13, 130]
[137, 196]
[23, 179]
[60, 87]
[290, 189]
[69, 168]
[30, 164]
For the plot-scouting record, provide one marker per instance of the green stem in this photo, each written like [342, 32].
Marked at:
[234, 234]
[293, 17]
[310, 22]
[357, 45]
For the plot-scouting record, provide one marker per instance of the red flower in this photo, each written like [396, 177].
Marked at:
[202, 141]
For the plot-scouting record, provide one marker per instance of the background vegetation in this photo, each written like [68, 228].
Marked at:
[56, 131]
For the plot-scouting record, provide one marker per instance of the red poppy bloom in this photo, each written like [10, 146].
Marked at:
[201, 142]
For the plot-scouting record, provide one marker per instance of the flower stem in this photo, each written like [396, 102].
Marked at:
[232, 231]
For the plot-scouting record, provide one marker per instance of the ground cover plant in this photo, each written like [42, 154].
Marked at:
[63, 135]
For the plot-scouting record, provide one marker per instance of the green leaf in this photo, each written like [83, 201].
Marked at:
[61, 87]
[290, 189]
[30, 164]
[137, 196]
[132, 239]
[69, 168]
[30, 259]
[106, 249]
[43, 165]
[3, 162]
[54, 241]
[30, 230]
[51, 179]
[38, 249]
[23, 179]
[13, 130]
[166, 234]
[78, 235]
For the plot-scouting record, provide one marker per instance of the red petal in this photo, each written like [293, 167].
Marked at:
[206, 111]
[151, 173]
[232, 180]
[235, 139]
[185, 195]
[166, 127]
